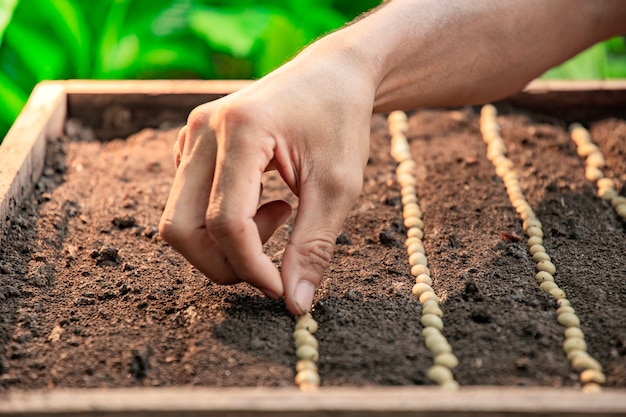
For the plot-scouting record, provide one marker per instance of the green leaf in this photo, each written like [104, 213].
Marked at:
[279, 42]
[590, 64]
[13, 100]
[7, 7]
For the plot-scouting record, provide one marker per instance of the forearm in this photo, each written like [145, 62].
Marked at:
[455, 52]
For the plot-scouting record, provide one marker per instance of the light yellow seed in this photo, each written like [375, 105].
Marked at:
[408, 190]
[398, 128]
[425, 279]
[605, 183]
[563, 302]
[433, 310]
[621, 210]
[586, 149]
[421, 288]
[536, 248]
[414, 222]
[543, 276]
[409, 241]
[546, 266]
[592, 375]
[541, 256]
[585, 361]
[439, 374]
[428, 296]
[608, 194]
[418, 259]
[447, 359]
[396, 116]
[565, 309]
[420, 269]
[412, 211]
[416, 248]
[430, 303]
[307, 323]
[596, 160]
[593, 173]
[300, 333]
[439, 348]
[617, 201]
[572, 332]
[428, 332]
[406, 167]
[574, 343]
[303, 364]
[568, 320]
[488, 112]
[591, 388]
[548, 286]
[449, 385]
[309, 340]
[534, 240]
[534, 231]
[434, 339]
[407, 179]
[557, 293]
[579, 134]
[307, 377]
[431, 320]
[410, 198]
[527, 214]
[528, 223]
[307, 352]
[415, 232]
[503, 168]
[574, 355]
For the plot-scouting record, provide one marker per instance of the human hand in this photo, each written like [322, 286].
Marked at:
[309, 120]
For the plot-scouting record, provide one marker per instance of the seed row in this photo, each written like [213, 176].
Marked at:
[307, 353]
[434, 340]
[594, 163]
[574, 345]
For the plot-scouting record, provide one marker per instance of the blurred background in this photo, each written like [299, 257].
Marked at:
[199, 39]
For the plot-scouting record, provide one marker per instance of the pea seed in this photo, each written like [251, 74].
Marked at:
[413, 222]
[430, 303]
[574, 355]
[407, 179]
[527, 214]
[428, 296]
[300, 333]
[536, 248]
[591, 387]
[309, 340]
[568, 320]
[303, 364]
[430, 320]
[415, 232]
[563, 302]
[435, 339]
[596, 160]
[421, 288]
[592, 375]
[440, 348]
[593, 173]
[411, 240]
[565, 309]
[408, 190]
[423, 278]
[439, 374]
[546, 266]
[586, 149]
[402, 154]
[617, 201]
[398, 128]
[579, 134]
[488, 112]
[548, 286]
[406, 167]
[418, 259]
[449, 385]
[543, 276]
[396, 116]
[528, 223]
[573, 331]
[534, 240]
[541, 256]
[307, 323]
[621, 210]
[409, 198]
[420, 269]
[503, 168]
[585, 361]
[307, 377]
[534, 231]
[433, 310]
[557, 293]
[307, 352]
[416, 248]
[574, 343]
[447, 359]
[608, 194]
[428, 332]
[605, 183]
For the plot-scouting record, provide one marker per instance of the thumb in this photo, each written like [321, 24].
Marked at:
[322, 210]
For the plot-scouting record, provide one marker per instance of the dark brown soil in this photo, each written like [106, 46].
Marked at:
[91, 297]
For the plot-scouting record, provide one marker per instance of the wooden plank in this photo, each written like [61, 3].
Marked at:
[340, 402]
[23, 149]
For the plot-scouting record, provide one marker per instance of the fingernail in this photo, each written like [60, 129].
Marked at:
[269, 293]
[303, 296]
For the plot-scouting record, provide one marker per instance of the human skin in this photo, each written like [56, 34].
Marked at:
[310, 120]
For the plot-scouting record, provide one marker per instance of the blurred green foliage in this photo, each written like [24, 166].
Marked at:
[207, 39]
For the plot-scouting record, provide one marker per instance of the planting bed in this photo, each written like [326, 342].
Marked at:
[92, 298]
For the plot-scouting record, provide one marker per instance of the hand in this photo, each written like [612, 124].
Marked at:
[310, 120]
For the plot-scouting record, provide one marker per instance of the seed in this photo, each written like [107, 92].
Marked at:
[307, 322]
[579, 134]
[557, 293]
[431, 320]
[396, 116]
[591, 387]
[408, 190]
[433, 310]
[528, 223]
[449, 385]
[536, 248]
[541, 256]
[409, 198]
[593, 173]
[407, 179]
[414, 222]
[535, 240]
[307, 352]
[411, 209]
[309, 340]
[420, 269]
[428, 332]
[418, 259]
[425, 279]
[548, 286]
[565, 309]
[440, 348]
[435, 339]
[543, 276]
[428, 296]
[568, 320]
[300, 333]
[586, 149]
[439, 374]
[307, 377]
[571, 332]
[416, 248]
[398, 128]
[488, 112]
[546, 266]
[608, 194]
[563, 302]
[411, 240]
[617, 201]
[303, 364]
[574, 343]
[406, 167]
[605, 183]
[415, 232]
[621, 210]
[421, 288]
[447, 359]
[534, 231]
[585, 361]
[596, 160]
[592, 375]
[430, 303]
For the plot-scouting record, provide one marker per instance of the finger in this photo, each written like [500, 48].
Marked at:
[179, 145]
[321, 213]
[240, 163]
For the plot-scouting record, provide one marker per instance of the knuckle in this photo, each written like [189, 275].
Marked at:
[223, 223]
[317, 253]
[173, 233]
[343, 181]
